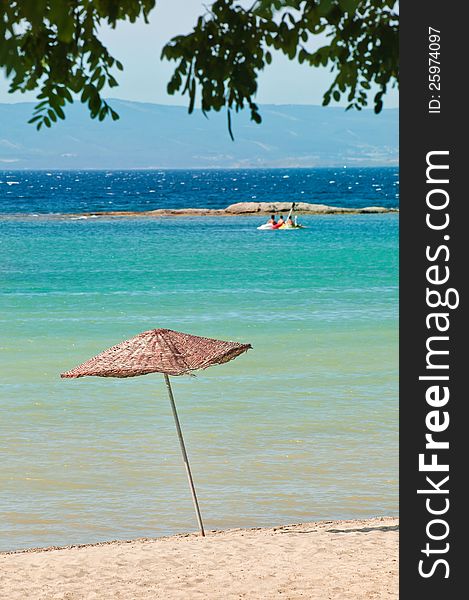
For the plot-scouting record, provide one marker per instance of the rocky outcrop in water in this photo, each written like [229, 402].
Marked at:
[244, 208]
[233, 210]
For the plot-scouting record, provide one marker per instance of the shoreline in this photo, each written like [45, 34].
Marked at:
[347, 559]
[195, 534]
[240, 209]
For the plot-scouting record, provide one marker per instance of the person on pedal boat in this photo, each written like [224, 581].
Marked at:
[279, 223]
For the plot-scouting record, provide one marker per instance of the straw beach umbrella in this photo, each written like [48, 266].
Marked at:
[162, 351]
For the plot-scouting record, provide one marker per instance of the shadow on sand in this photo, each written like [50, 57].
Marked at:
[365, 529]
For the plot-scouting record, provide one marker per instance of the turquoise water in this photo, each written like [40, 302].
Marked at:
[302, 427]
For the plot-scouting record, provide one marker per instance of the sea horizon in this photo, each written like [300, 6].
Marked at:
[207, 168]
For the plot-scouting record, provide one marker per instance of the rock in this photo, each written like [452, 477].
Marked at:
[244, 207]
[377, 209]
[241, 208]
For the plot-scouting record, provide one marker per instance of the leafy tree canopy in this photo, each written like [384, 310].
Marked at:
[53, 46]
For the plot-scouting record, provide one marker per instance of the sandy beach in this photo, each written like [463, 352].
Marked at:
[354, 560]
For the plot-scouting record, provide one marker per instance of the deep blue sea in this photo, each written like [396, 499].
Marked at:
[84, 191]
[302, 427]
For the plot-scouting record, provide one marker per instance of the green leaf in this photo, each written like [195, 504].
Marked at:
[230, 131]
[349, 6]
[324, 7]
[94, 104]
[60, 113]
[192, 97]
[256, 117]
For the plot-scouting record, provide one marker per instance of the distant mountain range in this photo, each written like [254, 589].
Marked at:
[157, 136]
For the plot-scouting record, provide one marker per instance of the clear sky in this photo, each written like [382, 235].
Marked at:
[138, 47]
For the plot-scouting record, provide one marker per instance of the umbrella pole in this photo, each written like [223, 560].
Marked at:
[184, 454]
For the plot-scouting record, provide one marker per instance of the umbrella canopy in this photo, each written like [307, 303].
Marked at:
[162, 351]
[159, 351]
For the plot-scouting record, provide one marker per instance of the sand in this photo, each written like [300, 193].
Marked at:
[337, 560]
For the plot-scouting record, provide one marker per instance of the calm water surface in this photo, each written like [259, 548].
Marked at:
[302, 427]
